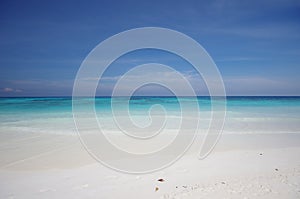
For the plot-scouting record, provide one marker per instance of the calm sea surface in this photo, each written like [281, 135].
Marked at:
[244, 114]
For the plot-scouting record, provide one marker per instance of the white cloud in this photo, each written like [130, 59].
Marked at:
[11, 90]
[8, 90]
[260, 86]
[248, 85]
[170, 78]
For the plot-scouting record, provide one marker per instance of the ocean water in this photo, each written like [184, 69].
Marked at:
[245, 115]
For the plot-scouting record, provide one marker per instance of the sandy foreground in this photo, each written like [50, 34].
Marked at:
[241, 166]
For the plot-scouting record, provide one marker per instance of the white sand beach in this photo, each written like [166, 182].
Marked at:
[241, 166]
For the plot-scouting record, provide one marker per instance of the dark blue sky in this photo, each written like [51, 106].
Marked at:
[256, 45]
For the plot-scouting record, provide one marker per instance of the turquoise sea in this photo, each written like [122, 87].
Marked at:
[54, 114]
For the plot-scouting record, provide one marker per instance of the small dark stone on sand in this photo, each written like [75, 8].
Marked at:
[223, 182]
[276, 169]
[160, 180]
[184, 187]
[176, 187]
[260, 154]
[156, 189]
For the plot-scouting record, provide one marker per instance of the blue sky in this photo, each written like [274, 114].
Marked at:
[256, 45]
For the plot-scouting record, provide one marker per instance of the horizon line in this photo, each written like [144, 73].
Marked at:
[107, 96]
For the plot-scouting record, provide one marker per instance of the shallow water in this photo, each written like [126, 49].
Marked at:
[244, 114]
